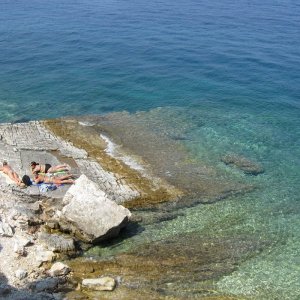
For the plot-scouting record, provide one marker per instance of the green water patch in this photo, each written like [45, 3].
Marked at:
[274, 275]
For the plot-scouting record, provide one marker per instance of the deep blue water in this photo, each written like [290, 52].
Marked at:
[77, 57]
[233, 66]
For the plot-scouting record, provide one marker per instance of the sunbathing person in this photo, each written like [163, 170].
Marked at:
[40, 178]
[47, 168]
[7, 169]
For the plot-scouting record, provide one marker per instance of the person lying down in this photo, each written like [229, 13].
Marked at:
[67, 179]
[8, 170]
[47, 168]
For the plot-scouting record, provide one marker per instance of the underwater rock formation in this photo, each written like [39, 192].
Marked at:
[242, 163]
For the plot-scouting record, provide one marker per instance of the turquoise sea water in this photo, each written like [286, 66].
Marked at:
[226, 77]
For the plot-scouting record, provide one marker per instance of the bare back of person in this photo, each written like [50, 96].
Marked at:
[7, 169]
[47, 168]
[39, 178]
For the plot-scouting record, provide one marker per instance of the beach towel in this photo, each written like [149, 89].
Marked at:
[46, 187]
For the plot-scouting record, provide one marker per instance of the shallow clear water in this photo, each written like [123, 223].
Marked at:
[270, 213]
[226, 75]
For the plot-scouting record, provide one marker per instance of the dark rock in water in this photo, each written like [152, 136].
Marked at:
[242, 163]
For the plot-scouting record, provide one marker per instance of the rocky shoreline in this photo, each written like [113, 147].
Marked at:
[43, 235]
[37, 229]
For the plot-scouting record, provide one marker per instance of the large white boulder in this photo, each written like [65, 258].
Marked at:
[90, 214]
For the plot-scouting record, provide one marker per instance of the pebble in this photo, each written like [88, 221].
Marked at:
[21, 274]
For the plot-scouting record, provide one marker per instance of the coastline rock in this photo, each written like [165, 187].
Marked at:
[22, 214]
[20, 244]
[52, 224]
[59, 269]
[43, 255]
[25, 240]
[21, 274]
[56, 242]
[47, 284]
[19, 249]
[90, 214]
[242, 163]
[100, 284]
[5, 229]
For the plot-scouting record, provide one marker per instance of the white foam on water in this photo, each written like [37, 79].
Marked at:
[86, 123]
[112, 149]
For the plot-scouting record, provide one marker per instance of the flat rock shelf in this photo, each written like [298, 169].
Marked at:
[28, 215]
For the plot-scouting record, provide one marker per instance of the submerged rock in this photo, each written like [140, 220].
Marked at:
[242, 163]
[89, 214]
[186, 264]
[100, 284]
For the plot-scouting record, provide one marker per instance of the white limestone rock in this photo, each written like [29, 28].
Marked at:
[19, 249]
[21, 242]
[21, 274]
[5, 229]
[90, 214]
[58, 269]
[100, 284]
[43, 255]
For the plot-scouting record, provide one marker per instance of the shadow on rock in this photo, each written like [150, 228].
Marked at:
[132, 229]
[50, 288]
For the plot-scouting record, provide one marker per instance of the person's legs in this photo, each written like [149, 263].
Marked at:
[62, 181]
[11, 176]
[69, 181]
[17, 178]
[64, 166]
[14, 176]
[58, 168]
[65, 177]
